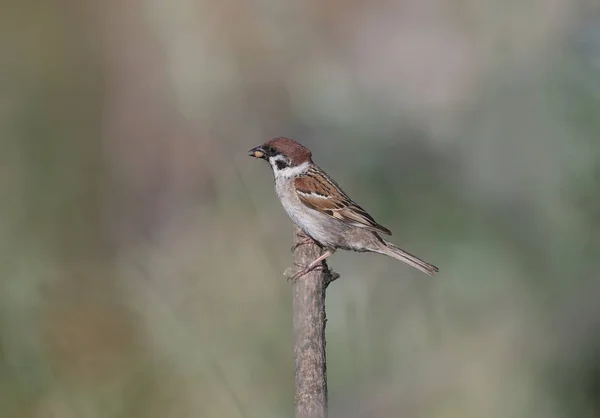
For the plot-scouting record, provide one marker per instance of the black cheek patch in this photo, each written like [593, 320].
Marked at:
[281, 164]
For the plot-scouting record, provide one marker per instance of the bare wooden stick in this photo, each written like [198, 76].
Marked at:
[309, 329]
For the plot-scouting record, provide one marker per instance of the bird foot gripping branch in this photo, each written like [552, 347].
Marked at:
[294, 273]
[301, 239]
[309, 256]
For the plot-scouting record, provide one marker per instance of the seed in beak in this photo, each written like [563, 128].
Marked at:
[257, 152]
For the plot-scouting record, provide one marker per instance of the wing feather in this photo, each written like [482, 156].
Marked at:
[319, 192]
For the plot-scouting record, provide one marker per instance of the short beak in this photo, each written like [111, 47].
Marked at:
[257, 152]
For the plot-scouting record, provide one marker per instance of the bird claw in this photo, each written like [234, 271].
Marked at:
[294, 273]
[289, 273]
[301, 240]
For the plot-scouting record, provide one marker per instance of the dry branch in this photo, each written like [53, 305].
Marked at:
[309, 330]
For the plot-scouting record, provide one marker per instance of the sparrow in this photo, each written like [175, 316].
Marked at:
[319, 206]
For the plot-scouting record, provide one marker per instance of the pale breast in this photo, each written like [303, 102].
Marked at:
[320, 227]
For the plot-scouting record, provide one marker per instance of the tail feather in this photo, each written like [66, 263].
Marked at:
[414, 261]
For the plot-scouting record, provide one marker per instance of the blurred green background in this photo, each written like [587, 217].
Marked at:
[142, 251]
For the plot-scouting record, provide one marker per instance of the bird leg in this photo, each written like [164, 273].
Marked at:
[302, 239]
[312, 265]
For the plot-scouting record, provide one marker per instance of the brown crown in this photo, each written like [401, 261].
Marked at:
[297, 153]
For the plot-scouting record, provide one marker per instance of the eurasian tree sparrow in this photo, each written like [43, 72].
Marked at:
[321, 208]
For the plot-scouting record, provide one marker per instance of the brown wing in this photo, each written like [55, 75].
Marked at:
[320, 193]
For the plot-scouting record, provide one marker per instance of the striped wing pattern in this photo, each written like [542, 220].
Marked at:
[317, 191]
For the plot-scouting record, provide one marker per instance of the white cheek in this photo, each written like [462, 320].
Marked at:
[273, 161]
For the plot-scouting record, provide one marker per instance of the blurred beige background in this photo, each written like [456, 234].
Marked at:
[142, 251]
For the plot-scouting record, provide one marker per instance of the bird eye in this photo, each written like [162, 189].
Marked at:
[272, 151]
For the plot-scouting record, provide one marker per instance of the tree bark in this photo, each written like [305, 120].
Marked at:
[309, 320]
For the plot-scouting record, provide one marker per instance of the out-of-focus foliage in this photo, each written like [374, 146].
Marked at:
[142, 250]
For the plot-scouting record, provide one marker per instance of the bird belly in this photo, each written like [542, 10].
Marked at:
[318, 226]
